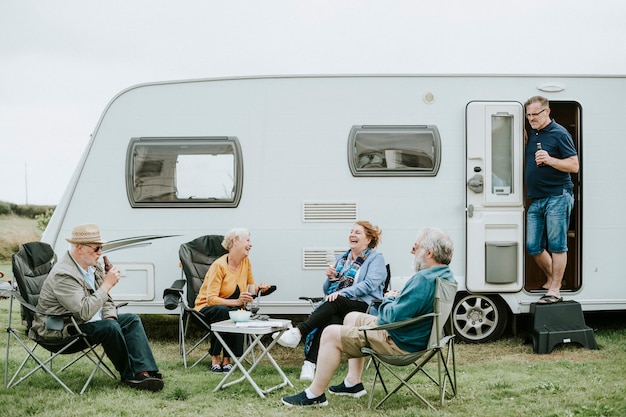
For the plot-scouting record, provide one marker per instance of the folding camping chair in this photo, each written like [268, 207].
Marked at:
[31, 265]
[196, 257]
[440, 346]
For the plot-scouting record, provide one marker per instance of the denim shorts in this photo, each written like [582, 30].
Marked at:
[547, 222]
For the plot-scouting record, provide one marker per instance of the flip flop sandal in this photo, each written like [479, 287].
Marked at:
[549, 299]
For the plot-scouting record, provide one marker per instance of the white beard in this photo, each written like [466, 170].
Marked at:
[418, 261]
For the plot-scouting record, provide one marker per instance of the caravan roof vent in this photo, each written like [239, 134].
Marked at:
[551, 88]
[329, 211]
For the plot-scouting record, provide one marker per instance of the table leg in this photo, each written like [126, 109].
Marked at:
[238, 364]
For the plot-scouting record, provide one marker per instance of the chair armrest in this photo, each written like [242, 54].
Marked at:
[268, 291]
[120, 305]
[311, 299]
[34, 309]
[176, 287]
[372, 306]
[173, 295]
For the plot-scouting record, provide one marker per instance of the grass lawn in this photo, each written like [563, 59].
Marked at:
[504, 378]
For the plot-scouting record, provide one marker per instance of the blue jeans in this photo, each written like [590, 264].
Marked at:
[125, 342]
[547, 223]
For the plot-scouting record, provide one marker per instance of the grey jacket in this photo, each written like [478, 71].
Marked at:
[65, 290]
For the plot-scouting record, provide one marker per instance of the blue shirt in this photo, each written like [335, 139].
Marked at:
[90, 278]
[545, 181]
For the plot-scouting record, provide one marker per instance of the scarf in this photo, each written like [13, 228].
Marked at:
[346, 278]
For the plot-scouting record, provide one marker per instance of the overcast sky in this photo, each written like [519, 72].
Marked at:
[61, 62]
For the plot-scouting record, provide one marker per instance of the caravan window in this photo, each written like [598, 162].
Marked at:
[184, 172]
[394, 151]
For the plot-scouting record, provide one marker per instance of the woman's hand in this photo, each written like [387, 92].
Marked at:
[333, 296]
[263, 286]
[331, 272]
[244, 297]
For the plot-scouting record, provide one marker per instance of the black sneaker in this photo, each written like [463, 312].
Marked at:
[302, 400]
[145, 383]
[356, 391]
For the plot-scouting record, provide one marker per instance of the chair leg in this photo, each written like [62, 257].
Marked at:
[182, 332]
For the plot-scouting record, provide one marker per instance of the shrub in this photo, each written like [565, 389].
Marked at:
[43, 219]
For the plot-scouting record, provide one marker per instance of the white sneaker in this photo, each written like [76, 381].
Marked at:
[290, 338]
[308, 371]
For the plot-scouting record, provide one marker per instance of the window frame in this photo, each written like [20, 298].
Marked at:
[186, 142]
[420, 130]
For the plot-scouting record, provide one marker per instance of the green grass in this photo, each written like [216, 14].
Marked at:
[499, 379]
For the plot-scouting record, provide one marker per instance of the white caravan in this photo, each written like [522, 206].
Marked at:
[298, 159]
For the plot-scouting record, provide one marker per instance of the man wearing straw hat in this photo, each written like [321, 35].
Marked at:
[78, 284]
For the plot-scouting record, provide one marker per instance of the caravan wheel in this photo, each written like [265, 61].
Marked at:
[479, 318]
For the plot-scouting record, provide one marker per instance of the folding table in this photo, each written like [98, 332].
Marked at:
[256, 329]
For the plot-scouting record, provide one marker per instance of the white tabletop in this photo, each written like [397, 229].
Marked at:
[251, 326]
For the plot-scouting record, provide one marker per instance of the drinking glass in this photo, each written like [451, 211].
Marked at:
[250, 288]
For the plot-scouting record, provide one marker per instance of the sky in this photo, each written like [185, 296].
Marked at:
[62, 61]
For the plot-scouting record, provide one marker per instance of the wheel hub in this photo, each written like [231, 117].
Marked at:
[475, 316]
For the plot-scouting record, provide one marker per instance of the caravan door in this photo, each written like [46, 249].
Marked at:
[495, 196]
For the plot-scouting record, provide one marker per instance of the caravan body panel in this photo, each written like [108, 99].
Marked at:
[293, 133]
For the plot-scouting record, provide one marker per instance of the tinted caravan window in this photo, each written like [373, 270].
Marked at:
[184, 172]
[394, 151]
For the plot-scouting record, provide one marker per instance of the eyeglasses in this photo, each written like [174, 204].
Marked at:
[529, 115]
[95, 248]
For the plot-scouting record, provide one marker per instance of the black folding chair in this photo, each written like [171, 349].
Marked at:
[196, 257]
[31, 265]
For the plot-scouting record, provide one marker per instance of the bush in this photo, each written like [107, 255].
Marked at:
[43, 219]
[24, 210]
[29, 211]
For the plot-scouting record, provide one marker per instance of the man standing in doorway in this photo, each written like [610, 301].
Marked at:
[550, 159]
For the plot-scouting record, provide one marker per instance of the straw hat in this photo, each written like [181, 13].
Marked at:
[86, 233]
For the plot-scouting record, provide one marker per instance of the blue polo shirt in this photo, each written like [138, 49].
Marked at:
[545, 181]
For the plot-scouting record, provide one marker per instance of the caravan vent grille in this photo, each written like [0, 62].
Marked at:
[318, 258]
[329, 212]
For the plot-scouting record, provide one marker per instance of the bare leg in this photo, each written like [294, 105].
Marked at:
[330, 350]
[544, 261]
[355, 365]
[355, 370]
[559, 262]
[554, 268]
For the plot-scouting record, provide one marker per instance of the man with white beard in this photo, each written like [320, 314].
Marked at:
[432, 254]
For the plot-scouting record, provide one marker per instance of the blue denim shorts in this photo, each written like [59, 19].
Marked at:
[547, 222]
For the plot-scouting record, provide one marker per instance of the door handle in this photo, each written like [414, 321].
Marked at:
[476, 183]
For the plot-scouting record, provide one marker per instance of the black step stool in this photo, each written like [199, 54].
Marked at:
[561, 322]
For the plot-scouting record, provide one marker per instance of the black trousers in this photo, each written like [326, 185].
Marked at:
[213, 314]
[329, 312]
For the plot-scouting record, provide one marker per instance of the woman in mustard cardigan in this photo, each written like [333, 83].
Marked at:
[225, 289]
